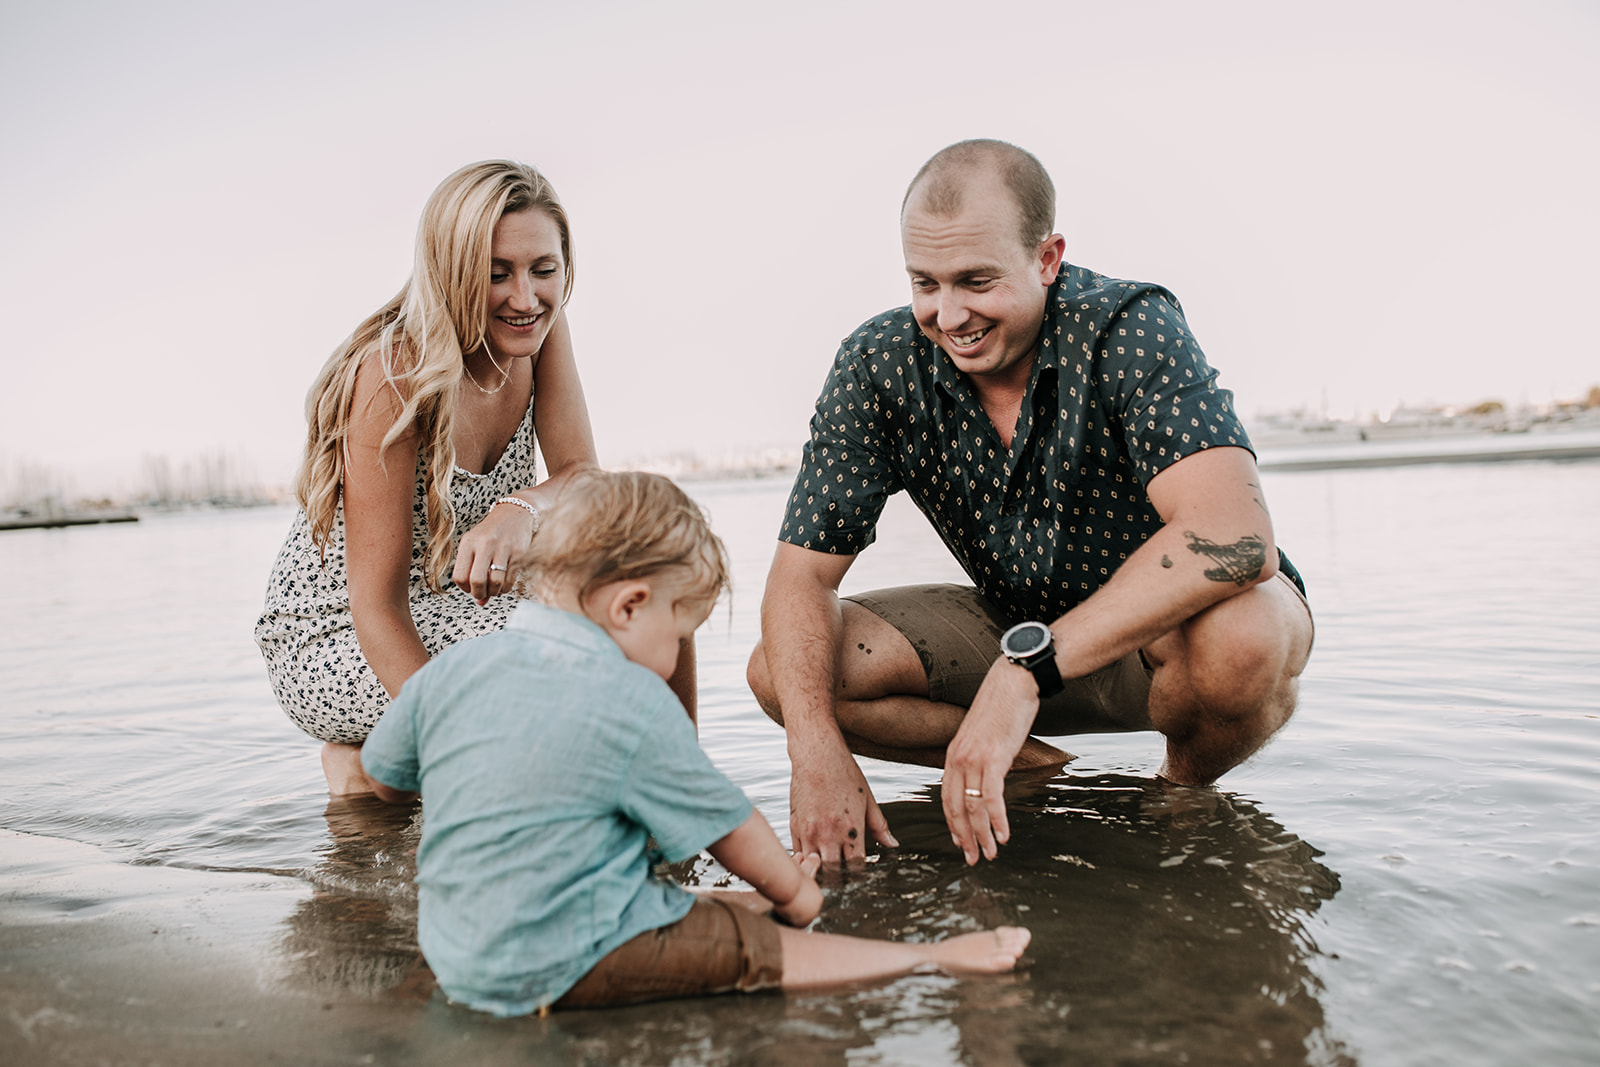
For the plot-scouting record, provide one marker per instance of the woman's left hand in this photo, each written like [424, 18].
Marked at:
[484, 561]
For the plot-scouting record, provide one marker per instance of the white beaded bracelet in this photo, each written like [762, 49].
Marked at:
[525, 506]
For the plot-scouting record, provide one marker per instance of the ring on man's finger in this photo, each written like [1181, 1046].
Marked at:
[971, 792]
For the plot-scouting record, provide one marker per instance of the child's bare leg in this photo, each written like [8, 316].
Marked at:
[828, 959]
[341, 765]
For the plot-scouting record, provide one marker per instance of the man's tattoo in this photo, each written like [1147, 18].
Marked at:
[1165, 562]
[1257, 498]
[1239, 563]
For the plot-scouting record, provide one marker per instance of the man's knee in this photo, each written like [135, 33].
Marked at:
[1244, 654]
[759, 678]
[872, 660]
[876, 660]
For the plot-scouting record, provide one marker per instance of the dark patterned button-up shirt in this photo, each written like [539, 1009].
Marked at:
[1120, 391]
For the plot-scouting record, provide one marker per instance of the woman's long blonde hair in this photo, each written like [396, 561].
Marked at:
[420, 337]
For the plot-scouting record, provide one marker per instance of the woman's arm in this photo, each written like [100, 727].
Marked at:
[377, 524]
[561, 424]
[560, 414]
[754, 853]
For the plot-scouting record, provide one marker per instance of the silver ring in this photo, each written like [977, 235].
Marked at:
[971, 792]
[497, 566]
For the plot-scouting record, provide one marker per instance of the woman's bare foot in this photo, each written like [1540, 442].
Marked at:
[341, 765]
[985, 952]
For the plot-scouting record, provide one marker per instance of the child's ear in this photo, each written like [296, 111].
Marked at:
[625, 601]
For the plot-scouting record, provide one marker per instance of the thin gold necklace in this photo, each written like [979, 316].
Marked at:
[505, 374]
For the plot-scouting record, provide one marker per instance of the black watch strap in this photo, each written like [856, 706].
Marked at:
[1048, 676]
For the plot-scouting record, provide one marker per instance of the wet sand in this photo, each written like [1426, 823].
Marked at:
[1175, 916]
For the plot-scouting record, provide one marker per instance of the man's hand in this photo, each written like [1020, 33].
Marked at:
[979, 756]
[831, 807]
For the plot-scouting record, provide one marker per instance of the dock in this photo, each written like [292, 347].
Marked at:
[51, 522]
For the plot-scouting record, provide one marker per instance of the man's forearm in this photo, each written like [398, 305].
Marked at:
[1171, 578]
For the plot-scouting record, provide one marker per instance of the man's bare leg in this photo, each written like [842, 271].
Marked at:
[883, 707]
[341, 765]
[1226, 680]
[811, 960]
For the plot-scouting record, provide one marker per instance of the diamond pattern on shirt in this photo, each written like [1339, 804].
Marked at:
[1120, 391]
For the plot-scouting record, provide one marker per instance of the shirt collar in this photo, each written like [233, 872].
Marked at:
[553, 624]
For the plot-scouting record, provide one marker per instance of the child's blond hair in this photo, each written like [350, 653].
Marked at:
[610, 526]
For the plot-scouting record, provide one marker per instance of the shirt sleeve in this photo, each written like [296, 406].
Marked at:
[674, 790]
[845, 473]
[389, 754]
[1161, 387]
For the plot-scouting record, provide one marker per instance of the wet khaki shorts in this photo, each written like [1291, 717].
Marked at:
[716, 948]
[956, 632]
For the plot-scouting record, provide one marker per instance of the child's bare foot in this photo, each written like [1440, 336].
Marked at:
[985, 952]
[341, 765]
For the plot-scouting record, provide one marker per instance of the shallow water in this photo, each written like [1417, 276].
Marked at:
[1409, 874]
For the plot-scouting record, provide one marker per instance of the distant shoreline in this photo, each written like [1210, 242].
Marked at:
[1274, 452]
[1414, 451]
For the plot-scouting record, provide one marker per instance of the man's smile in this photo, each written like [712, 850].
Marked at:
[967, 340]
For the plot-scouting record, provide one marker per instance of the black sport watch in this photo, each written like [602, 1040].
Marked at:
[1032, 645]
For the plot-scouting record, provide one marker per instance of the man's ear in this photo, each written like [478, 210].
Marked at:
[623, 601]
[1052, 251]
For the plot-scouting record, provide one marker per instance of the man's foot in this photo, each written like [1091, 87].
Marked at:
[341, 765]
[985, 952]
[1036, 755]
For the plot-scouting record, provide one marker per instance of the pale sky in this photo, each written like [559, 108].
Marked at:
[1359, 205]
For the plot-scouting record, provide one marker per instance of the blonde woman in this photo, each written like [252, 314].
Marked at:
[417, 486]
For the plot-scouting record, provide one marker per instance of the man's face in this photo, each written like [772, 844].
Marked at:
[976, 292]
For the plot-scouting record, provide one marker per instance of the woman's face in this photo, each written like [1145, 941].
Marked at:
[527, 276]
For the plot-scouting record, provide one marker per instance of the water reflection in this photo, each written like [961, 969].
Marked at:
[356, 935]
[1170, 924]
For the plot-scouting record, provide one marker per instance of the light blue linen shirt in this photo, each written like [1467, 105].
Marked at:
[546, 761]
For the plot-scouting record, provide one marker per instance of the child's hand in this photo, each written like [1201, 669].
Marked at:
[806, 905]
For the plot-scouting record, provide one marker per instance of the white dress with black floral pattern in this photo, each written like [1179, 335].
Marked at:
[307, 635]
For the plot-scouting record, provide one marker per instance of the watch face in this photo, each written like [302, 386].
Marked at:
[1026, 639]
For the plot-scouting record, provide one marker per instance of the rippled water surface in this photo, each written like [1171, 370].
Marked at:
[1410, 873]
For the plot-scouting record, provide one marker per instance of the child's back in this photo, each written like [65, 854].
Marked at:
[545, 754]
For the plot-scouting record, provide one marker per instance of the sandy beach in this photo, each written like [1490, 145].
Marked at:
[110, 963]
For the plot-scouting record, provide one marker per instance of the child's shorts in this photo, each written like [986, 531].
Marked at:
[716, 948]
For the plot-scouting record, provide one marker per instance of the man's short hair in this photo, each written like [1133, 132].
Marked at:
[947, 173]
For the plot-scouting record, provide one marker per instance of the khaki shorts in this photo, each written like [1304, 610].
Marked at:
[716, 948]
[956, 633]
